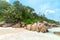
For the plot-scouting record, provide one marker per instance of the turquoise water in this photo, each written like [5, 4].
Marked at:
[54, 29]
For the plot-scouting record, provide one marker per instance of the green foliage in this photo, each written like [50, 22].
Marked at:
[28, 21]
[20, 13]
[4, 5]
[1, 19]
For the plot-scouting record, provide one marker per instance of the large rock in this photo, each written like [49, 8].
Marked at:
[17, 25]
[33, 28]
[7, 25]
[51, 25]
[2, 23]
[43, 28]
[58, 33]
[39, 27]
[28, 27]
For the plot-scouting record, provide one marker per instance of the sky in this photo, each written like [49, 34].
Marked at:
[51, 8]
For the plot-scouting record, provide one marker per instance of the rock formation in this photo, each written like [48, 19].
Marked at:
[39, 27]
[17, 25]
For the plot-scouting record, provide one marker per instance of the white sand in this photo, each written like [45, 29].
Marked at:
[22, 34]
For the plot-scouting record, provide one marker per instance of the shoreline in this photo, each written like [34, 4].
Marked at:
[8, 30]
[22, 34]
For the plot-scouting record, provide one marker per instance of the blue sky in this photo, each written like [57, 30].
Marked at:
[51, 8]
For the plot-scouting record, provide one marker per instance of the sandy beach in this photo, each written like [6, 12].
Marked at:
[22, 34]
[9, 30]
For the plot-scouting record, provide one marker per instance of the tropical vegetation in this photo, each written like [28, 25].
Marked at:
[16, 12]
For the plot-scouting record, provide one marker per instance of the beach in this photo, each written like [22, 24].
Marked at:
[23, 34]
[55, 30]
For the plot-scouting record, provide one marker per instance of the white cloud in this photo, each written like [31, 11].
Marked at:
[58, 10]
[7, 0]
[44, 7]
[49, 11]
